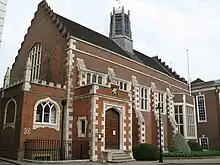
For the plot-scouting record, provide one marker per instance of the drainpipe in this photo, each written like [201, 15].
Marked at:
[218, 109]
[62, 155]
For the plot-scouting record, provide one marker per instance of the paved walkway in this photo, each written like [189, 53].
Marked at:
[166, 162]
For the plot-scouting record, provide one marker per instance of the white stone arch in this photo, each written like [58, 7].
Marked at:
[121, 110]
[48, 125]
[12, 125]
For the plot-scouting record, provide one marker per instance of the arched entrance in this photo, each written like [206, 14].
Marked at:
[112, 129]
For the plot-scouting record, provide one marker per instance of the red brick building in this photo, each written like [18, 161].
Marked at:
[112, 90]
[208, 113]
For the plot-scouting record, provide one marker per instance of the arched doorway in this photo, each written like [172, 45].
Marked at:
[112, 129]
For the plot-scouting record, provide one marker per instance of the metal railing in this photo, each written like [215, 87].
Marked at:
[54, 150]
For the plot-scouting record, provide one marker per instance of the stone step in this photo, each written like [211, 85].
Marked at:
[120, 156]
[122, 161]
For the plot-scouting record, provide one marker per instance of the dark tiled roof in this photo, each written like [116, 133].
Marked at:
[203, 84]
[198, 80]
[98, 39]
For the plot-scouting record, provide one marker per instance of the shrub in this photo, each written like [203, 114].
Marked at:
[179, 144]
[194, 146]
[145, 152]
[192, 154]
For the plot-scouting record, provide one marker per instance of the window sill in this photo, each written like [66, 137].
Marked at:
[82, 135]
[12, 125]
[144, 110]
[45, 125]
[202, 121]
[190, 137]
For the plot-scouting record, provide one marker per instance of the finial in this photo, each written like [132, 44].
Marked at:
[119, 3]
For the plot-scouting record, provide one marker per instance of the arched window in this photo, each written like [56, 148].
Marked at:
[94, 77]
[99, 80]
[35, 57]
[88, 78]
[46, 112]
[10, 112]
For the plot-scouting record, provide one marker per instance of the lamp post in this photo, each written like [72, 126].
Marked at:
[63, 102]
[160, 142]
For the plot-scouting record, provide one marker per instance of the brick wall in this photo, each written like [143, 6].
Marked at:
[45, 32]
[212, 112]
[36, 93]
[10, 137]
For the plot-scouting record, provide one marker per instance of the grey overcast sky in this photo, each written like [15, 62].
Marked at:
[159, 27]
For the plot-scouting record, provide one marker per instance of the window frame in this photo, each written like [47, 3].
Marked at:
[180, 124]
[97, 78]
[200, 142]
[198, 111]
[147, 98]
[35, 61]
[124, 86]
[194, 120]
[5, 114]
[79, 127]
[45, 124]
[164, 101]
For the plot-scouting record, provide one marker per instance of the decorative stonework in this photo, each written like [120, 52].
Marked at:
[27, 76]
[129, 139]
[136, 107]
[125, 118]
[154, 96]
[111, 77]
[170, 113]
[70, 89]
[79, 126]
[37, 125]
[93, 129]
[7, 78]
[82, 70]
[12, 124]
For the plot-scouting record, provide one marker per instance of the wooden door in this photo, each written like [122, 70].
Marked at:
[112, 129]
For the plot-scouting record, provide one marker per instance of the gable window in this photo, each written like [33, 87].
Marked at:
[35, 57]
[123, 86]
[143, 98]
[93, 78]
[201, 108]
[204, 143]
[99, 80]
[161, 101]
[10, 112]
[47, 113]
[179, 118]
[190, 122]
[88, 78]
[81, 126]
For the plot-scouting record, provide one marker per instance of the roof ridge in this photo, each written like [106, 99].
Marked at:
[82, 25]
[69, 28]
[162, 66]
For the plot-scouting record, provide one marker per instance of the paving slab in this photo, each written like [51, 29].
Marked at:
[166, 162]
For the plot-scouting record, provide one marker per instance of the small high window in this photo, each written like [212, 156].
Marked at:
[99, 80]
[204, 143]
[81, 126]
